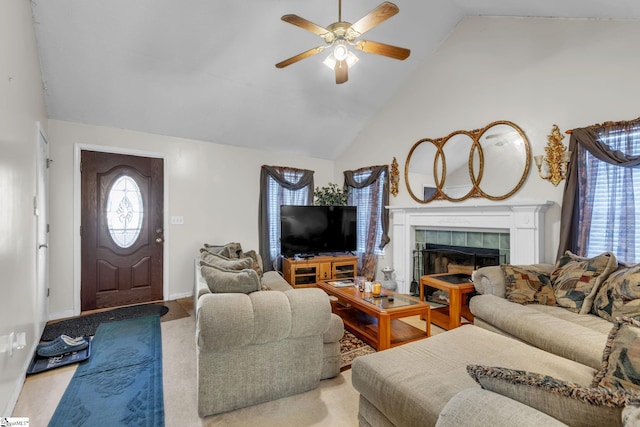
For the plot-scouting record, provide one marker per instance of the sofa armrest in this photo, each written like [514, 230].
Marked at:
[487, 408]
[232, 320]
[491, 280]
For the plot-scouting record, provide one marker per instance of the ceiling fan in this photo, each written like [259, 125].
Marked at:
[340, 35]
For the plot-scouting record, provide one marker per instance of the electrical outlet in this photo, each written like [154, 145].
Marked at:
[177, 220]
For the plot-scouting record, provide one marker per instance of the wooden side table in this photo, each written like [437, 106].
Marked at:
[458, 286]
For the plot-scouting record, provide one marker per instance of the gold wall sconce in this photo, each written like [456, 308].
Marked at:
[394, 177]
[556, 159]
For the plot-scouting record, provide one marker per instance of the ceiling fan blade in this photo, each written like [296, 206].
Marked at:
[378, 15]
[342, 71]
[382, 49]
[305, 24]
[300, 56]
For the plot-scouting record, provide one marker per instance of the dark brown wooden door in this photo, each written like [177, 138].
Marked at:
[122, 229]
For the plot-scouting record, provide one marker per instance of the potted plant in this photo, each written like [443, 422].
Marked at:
[331, 195]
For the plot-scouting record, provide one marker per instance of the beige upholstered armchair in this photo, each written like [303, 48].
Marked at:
[261, 346]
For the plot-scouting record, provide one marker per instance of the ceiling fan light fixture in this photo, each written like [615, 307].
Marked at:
[340, 52]
[330, 61]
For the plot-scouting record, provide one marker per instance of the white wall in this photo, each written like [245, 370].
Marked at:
[533, 72]
[21, 107]
[214, 187]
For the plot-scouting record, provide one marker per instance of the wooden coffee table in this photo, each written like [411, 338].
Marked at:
[375, 320]
[458, 286]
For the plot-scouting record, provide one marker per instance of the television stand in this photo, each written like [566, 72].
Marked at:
[304, 273]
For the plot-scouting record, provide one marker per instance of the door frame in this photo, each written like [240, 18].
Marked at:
[77, 246]
[43, 219]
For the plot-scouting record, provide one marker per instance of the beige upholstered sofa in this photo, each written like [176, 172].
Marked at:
[262, 345]
[428, 382]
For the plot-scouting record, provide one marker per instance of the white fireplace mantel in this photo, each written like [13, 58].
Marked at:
[523, 220]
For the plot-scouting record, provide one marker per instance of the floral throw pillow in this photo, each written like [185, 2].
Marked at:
[565, 401]
[621, 357]
[576, 280]
[528, 285]
[619, 295]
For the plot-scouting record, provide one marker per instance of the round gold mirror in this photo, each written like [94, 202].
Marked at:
[491, 162]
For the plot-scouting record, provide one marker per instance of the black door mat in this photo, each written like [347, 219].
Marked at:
[87, 324]
[40, 364]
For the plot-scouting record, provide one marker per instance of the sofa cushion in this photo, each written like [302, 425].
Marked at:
[621, 357]
[551, 328]
[568, 402]
[528, 285]
[619, 295]
[576, 279]
[210, 258]
[221, 280]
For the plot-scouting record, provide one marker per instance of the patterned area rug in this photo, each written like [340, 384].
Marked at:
[352, 347]
[121, 383]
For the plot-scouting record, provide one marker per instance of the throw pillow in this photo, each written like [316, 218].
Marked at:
[619, 295]
[221, 280]
[528, 285]
[621, 357]
[218, 260]
[230, 250]
[576, 280]
[568, 402]
[256, 262]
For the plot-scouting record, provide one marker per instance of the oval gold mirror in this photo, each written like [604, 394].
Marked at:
[419, 171]
[491, 162]
[456, 181]
[506, 160]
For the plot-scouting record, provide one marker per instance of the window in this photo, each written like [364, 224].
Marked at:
[279, 186]
[607, 196]
[369, 190]
[124, 211]
[369, 201]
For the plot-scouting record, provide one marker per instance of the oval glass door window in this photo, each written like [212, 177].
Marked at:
[124, 211]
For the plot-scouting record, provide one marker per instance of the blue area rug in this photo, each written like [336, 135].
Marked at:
[121, 383]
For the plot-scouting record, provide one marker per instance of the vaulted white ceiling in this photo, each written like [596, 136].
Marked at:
[205, 69]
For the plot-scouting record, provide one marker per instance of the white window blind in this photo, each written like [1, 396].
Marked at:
[277, 196]
[615, 207]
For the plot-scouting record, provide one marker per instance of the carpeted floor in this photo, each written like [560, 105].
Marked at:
[352, 347]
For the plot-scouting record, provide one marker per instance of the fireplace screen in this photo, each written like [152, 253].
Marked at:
[435, 259]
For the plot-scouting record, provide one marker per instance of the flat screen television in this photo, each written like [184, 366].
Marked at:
[313, 230]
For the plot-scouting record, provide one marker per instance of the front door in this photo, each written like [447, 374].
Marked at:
[121, 229]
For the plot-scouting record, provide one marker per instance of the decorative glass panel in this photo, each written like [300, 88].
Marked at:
[124, 211]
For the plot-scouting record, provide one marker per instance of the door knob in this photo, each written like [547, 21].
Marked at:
[159, 240]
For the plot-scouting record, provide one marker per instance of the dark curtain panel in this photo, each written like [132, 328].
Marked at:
[299, 180]
[376, 207]
[575, 218]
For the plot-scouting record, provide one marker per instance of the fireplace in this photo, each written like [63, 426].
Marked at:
[434, 259]
[522, 222]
